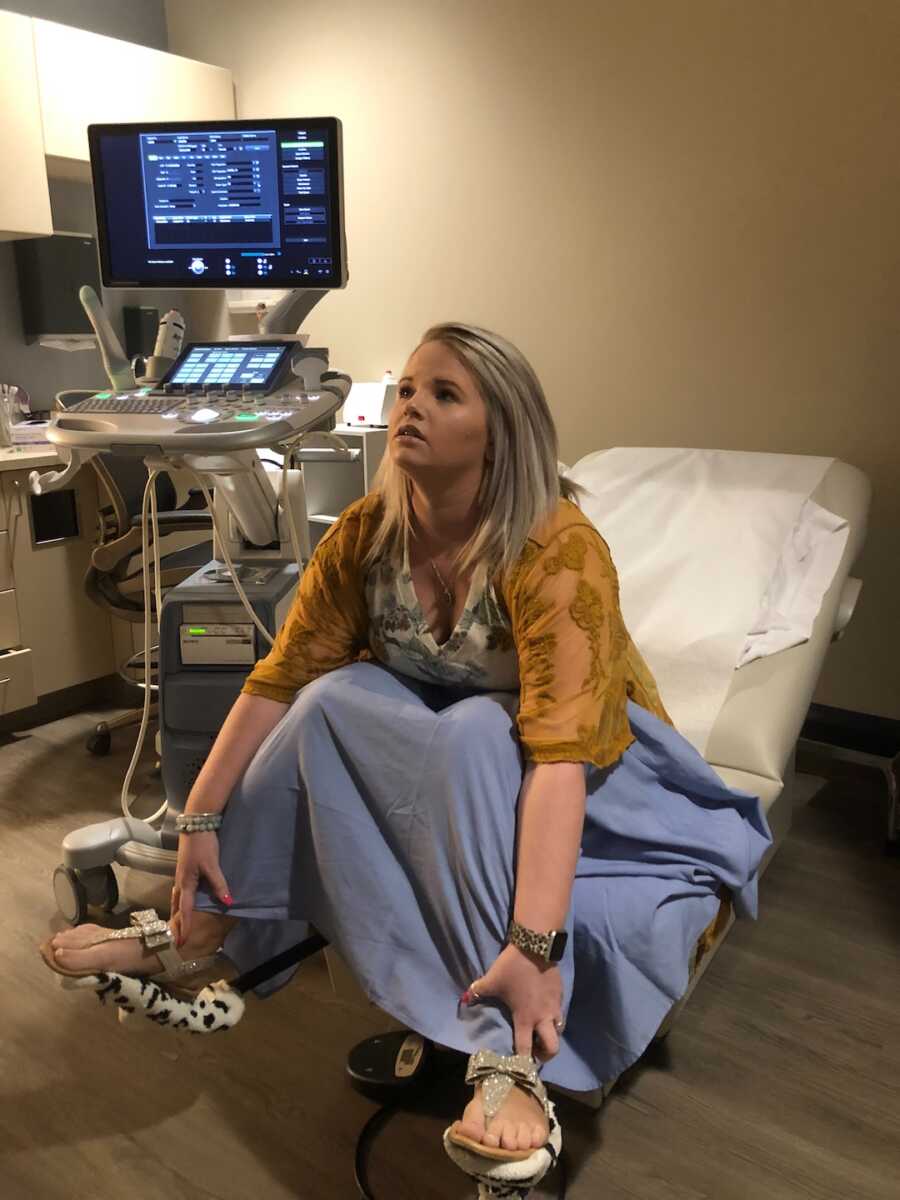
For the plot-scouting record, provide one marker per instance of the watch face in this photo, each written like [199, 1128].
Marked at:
[558, 947]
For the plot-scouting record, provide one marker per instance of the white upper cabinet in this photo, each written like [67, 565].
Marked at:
[85, 79]
[24, 195]
[56, 80]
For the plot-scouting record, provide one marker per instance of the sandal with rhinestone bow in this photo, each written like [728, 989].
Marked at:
[500, 1172]
[175, 996]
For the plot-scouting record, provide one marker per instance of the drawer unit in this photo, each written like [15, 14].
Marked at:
[6, 575]
[16, 681]
[10, 634]
[68, 635]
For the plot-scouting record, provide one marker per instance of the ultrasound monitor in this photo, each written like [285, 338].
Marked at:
[244, 204]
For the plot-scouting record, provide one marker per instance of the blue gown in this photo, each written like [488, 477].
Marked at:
[382, 810]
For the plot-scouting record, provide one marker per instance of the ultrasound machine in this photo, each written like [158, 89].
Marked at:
[221, 204]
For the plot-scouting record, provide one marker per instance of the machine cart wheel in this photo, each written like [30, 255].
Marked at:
[99, 740]
[111, 899]
[71, 895]
[75, 891]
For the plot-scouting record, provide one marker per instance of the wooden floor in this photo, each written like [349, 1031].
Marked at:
[780, 1081]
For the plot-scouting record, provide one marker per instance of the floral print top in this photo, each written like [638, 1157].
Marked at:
[551, 628]
[479, 653]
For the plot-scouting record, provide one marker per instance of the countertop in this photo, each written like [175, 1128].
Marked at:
[29, 457]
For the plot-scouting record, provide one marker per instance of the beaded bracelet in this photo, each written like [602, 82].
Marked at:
[197, 822]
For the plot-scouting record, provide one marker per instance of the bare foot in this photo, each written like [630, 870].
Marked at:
[73, 949]
[519, 1125]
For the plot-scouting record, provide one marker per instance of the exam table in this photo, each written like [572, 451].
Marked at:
[753, 739]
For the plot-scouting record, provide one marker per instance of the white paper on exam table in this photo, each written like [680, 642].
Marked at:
[695, 536]
[806, 566]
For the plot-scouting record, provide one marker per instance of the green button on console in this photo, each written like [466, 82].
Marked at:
[247, 417]
[103, 395]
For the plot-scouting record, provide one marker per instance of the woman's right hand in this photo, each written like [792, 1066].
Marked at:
[198, 858]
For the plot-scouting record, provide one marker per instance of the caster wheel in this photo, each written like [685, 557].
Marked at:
[71, 895]
[99, 742]
[112, 891]
[389, 1063]
[100, 886]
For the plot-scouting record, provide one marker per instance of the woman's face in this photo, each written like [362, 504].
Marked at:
[439, 421]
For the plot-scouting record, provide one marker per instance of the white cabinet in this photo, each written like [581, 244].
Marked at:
[330, 486]
[85, 79]
[16, 681]
[56, 80]
[16, 673]
[51, 635]
[24, 195]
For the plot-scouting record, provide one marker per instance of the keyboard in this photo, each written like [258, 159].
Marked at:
[109, 402]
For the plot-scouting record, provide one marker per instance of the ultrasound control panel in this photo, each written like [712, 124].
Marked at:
[201, 407]
[214, 397]
[223, 366]
[142, 400]
[223, 372]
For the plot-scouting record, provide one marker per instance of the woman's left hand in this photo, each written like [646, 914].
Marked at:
[532, 991]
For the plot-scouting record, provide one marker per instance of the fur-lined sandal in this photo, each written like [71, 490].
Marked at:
[500, 1172]
[182, 995]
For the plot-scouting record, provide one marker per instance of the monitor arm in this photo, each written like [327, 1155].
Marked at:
[243, 484]
[291, 311]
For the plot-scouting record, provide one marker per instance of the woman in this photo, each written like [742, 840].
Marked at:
[468, 687]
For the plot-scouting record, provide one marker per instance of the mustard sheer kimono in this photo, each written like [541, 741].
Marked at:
[577, 664]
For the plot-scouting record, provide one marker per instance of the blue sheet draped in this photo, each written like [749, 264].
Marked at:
[383, 811]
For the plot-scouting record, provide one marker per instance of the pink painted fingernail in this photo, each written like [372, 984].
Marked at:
[466, 997]
[227, 898]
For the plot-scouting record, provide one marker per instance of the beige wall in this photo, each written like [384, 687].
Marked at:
[686, 212]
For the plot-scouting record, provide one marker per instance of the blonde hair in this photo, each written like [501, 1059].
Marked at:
[521, 485]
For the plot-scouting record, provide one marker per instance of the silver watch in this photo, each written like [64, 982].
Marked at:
[549, 947]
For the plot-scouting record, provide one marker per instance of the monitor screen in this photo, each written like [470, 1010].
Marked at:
[220, 204]
[223, 366]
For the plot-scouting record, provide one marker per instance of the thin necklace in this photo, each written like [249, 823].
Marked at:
[448, 595]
